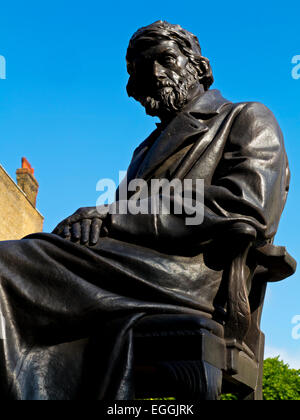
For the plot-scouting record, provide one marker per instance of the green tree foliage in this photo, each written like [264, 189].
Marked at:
[229, 397]
[280, 382]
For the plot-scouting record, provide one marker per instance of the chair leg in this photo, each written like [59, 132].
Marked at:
[214, 378]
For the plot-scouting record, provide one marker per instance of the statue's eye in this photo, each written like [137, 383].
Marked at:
[169, 59]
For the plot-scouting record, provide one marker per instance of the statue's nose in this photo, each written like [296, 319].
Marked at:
[158, 71]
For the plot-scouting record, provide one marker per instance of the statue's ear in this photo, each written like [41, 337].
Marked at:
[204, 66]
[205, 72]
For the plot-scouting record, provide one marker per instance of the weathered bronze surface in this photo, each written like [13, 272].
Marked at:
[72, 299]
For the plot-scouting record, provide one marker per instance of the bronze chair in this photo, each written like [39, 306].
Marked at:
[196, 358]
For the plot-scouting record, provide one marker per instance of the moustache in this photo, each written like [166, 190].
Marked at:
[163, 84]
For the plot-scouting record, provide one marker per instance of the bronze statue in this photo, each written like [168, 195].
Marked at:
[71, 299]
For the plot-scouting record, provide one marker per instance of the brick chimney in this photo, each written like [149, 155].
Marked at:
[27, 182]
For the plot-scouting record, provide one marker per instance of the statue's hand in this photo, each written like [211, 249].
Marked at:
[85, 226]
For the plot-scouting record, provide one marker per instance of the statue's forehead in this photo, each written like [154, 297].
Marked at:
[150, 48]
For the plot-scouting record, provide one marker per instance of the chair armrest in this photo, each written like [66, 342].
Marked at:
[276, 263]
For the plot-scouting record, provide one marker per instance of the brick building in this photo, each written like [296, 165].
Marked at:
[18, 214]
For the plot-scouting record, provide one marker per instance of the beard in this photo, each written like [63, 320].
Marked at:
[170, 98]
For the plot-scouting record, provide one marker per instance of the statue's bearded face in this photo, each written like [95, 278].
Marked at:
[162, 79]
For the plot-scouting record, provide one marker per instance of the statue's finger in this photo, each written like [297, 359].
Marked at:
[76, 232]
[85, 231]
[95, 231]
[66, 231]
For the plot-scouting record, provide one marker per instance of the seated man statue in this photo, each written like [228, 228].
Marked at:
[71, 298]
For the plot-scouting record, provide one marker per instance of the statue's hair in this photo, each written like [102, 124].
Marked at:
[186, 41]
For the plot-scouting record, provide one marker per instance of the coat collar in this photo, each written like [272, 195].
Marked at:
[190, 123]
[210, 103]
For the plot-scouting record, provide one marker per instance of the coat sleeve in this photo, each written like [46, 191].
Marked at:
[249, 185]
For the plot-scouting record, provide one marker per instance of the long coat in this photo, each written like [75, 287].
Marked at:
[69, 310]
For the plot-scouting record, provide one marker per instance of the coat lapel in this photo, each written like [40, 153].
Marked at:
[139, 155]
[188, 126]
[137, 159]
[177, 133]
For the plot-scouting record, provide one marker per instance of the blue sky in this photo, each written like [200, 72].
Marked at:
[64, 104]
